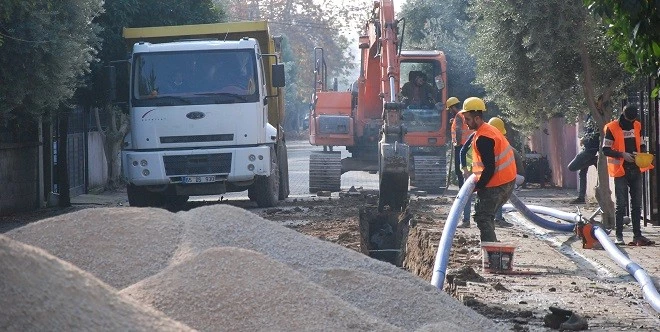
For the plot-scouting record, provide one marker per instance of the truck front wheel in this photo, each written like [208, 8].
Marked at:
[266, 189]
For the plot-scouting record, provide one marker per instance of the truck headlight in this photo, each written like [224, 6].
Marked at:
[252, 157]
[143, 163]
[250, 167]
[145, 172]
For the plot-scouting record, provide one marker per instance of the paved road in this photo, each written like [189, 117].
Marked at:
[298, 152]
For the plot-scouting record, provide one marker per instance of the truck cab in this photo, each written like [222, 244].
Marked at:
[199, 112]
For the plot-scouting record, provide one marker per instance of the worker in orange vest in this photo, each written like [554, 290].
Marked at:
[493, 164]
[622, 141]
[459, 134]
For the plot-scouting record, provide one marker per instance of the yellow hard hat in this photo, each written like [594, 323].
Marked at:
[451, 101]
[473, 104]
[643, 160]
[497, 123]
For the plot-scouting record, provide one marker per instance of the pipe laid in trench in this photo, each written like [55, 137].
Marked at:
[648, 288]
[442, 256]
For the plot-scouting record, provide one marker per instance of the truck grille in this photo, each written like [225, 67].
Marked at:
[217, 163]
[197, 138]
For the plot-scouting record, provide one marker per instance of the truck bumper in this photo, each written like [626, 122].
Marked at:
[151, 168]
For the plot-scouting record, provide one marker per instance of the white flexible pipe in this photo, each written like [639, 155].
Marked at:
[648, 288]
[567, 216]
[442, 256]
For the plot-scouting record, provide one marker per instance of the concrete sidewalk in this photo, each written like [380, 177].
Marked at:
[106, 198]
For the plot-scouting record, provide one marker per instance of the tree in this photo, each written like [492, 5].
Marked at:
[539, 59]
[132, 13]
[47, 47]
[444, 26]
[634, 28]
[307, 24]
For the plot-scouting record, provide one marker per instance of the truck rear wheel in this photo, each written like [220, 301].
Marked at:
[266, 189]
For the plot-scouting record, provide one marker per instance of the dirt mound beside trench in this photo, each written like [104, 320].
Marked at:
[43, 293]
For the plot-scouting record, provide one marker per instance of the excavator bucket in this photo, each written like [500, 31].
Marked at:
[393, 175]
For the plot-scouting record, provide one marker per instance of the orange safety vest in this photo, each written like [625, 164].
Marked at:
[465, 131]
[505, 161]
[615, 165]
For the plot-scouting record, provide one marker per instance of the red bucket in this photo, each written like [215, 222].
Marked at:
[497, 257]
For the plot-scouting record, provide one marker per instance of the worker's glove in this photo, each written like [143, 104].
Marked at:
[519, 180]
[439, 106]
[628, 157]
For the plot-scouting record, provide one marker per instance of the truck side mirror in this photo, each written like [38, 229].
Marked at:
[111, 83]
[278, 76]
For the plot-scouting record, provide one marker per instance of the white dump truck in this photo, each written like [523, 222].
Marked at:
[205, 110]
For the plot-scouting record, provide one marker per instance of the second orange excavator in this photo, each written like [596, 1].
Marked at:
[398, 130]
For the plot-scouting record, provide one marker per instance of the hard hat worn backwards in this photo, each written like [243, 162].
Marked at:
[497, 123]
[451, 101]
[473, 104]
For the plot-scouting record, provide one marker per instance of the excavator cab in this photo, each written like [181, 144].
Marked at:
[425, 118]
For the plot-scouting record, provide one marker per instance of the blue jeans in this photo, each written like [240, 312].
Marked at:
[457, 166]
[631, 182]
[467, 209]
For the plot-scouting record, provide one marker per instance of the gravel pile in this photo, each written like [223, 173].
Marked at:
[43, 293]
[221, 266]
[240, 289]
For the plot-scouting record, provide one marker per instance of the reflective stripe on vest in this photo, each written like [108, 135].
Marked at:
[505, 161]
[465, 131]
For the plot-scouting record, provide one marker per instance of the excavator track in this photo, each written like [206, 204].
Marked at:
[430, 173]
[324, 171]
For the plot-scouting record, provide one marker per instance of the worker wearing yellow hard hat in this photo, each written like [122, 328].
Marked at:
[459, 134]
[493, 164]
[621, 143]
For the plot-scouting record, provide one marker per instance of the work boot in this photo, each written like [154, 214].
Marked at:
[619, 241]
[641, 241]
[464, 224]
[502, 223]
[579, 200]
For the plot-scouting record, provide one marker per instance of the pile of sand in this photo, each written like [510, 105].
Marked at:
[43, 293]
[221, 267]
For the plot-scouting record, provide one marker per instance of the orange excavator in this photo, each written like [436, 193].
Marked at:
[377, 123]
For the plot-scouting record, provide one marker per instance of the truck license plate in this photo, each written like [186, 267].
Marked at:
[198, 179]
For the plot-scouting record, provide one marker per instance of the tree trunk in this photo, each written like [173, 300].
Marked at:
[601, 112]
[112, 139]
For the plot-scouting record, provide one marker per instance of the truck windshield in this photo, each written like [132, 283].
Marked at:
[195, 78]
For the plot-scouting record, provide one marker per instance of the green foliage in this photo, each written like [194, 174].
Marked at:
[540, 59]
[120, 14]
[444, 26]
[634, 27]
[307, 24]
[47, 47]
